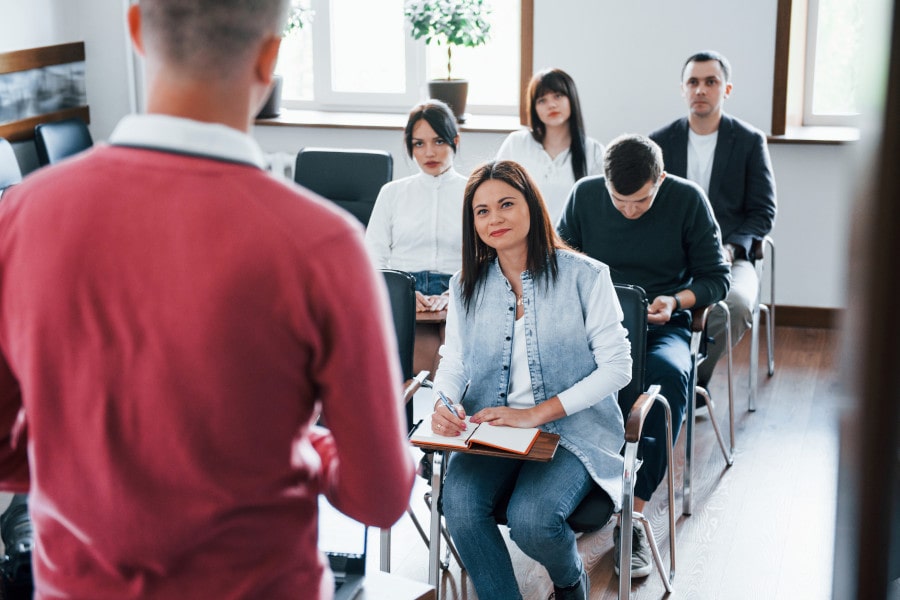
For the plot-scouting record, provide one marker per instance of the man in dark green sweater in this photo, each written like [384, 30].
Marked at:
[656, 231]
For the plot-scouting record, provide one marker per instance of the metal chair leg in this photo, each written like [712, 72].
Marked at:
[770, 313]
[754, 355]
[727, 454]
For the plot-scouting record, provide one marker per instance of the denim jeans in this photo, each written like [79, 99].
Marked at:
[431, 283]
[668, 364]
[541, 497]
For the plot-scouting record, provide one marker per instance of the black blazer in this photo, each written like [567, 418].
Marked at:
[741, 185]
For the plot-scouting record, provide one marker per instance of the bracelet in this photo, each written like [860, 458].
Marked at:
[677, 303]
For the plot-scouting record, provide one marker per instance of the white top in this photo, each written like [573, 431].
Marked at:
[520, 394]
[553, 177]
[416, 224]
[701, 149]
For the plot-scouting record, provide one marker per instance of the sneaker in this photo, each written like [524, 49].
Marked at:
[579, 591]
[641, 556]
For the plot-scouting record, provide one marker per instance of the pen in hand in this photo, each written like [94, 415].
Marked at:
[448, 428]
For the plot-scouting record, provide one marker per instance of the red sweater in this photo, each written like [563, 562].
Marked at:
[168, 324]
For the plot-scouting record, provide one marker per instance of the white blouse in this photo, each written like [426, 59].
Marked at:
[416, 224]
[553, 177]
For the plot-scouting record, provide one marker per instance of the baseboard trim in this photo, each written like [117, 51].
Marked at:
[808, 316]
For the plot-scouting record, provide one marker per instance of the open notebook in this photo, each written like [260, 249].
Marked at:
[512, 439]
[343, 541]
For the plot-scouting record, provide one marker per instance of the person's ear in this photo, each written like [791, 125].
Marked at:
[728, 88]
[267, 59]
[134, 27]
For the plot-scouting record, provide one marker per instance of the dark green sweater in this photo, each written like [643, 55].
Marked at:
[675, 245]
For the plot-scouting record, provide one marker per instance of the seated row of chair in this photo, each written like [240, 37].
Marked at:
[53, 141]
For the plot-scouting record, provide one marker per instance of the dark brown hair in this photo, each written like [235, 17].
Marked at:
[630, 161]
[542, 238]
[439, 116]
[557, 80]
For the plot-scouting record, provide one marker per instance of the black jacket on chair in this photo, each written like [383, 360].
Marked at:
[742, 185]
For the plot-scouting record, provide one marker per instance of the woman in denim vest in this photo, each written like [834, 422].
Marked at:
[535, 331]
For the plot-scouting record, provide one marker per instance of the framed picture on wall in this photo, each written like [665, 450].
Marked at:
[39, 85]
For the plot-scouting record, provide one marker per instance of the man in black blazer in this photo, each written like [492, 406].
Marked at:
[729, 159]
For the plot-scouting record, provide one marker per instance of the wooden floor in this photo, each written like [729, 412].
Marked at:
[761, 529]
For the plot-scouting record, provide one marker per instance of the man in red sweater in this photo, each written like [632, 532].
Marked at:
[172, 321]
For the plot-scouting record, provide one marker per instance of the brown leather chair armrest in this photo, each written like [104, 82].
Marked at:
[699, 315]
[638, 414]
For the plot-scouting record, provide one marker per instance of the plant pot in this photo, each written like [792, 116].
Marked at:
[453, 92]
[272, 107]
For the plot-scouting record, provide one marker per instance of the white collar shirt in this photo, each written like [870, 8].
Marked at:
[416, 224]
[186, 136]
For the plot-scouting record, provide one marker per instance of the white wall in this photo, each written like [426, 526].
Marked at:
[625, 57]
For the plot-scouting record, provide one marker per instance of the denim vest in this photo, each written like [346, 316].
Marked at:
[558, 357]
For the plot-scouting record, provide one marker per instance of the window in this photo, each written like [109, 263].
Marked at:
[818, 63]
[834, 34]
[336, 62]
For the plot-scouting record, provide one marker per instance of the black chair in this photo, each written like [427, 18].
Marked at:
[635, 402]
[57, 140]
[349, 178]
[401, 288]
[10, 173]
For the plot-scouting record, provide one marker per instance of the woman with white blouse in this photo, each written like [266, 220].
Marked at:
[554, 149]
[416, 224]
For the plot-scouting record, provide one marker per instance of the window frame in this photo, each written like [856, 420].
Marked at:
[328, 100]
[793, 72]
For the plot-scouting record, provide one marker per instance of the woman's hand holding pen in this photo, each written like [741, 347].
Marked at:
[447, 418]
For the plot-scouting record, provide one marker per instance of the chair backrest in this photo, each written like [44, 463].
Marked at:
[401, 288]
[10, 173]
[349, 178]
[633, 301]
[57, 140]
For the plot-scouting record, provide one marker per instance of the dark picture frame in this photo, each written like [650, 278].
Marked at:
[39, 85]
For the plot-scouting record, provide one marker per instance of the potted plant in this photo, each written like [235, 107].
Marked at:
[297, 18]
[449, 23]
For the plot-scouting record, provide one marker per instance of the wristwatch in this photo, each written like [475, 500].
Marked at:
[677, 303]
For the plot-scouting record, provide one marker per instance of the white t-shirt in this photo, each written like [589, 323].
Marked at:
[553, 176]
[416, 224]
[579, 397]
[701, 149]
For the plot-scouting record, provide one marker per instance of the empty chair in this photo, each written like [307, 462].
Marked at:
[349, 178]
[10, 173]
[57, 140]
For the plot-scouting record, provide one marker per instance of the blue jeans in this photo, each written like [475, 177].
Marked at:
[431, 283]
[541, 497]
[669, 364]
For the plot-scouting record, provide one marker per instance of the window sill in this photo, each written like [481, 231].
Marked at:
[358, 120]
[817, 135]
